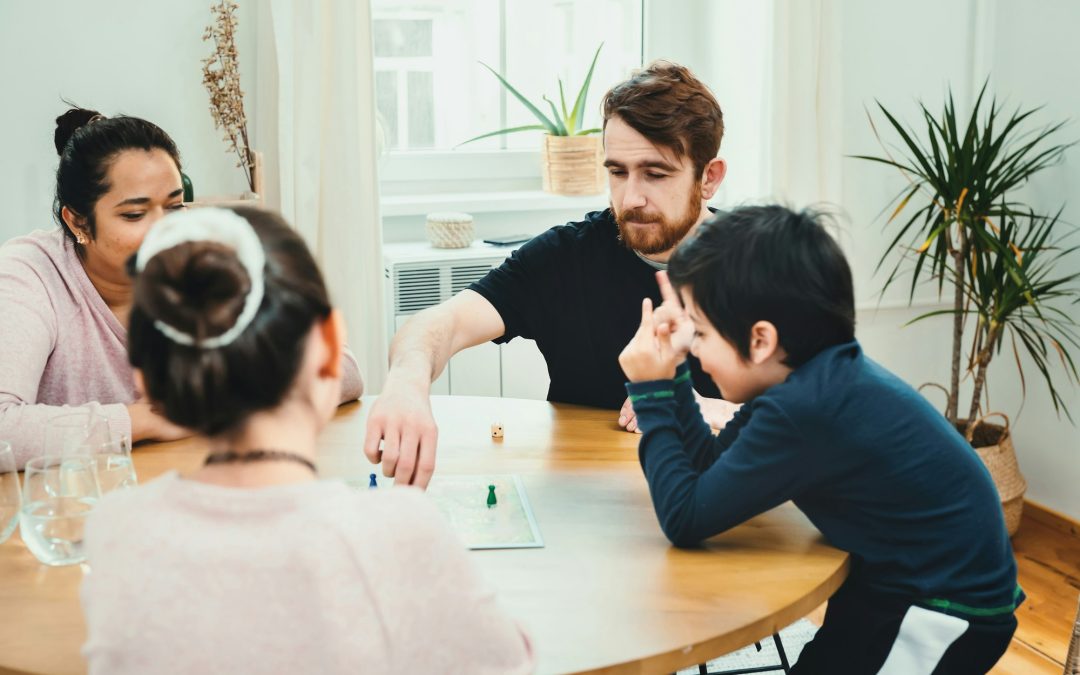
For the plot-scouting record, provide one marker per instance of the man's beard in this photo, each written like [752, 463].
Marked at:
[662, 234]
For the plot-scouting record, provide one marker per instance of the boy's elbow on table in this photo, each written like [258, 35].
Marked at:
[679, 530]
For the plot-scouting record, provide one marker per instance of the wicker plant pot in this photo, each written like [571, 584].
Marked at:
[573, 165]
[993, 444]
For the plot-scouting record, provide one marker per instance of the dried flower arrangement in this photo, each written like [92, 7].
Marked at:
[221, 76]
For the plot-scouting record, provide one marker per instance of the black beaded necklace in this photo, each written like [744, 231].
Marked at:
[230, 456]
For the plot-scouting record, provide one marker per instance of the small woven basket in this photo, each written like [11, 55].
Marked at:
[450, 230]
[1000, 459]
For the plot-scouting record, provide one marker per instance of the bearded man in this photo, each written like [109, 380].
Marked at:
[577, 288]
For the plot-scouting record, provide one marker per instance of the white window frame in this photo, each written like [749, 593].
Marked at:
[419, 171]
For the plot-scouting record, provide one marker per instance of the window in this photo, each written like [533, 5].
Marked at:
[432, 94]
[404, 79]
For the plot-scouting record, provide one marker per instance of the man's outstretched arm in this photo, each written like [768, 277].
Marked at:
[401, 431]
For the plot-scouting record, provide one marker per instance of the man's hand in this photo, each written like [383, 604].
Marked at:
[649, 355]
[716, 411]
[628, 418]
[401, 420]
[672, 313]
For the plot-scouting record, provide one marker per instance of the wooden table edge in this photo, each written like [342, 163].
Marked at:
[702, 652]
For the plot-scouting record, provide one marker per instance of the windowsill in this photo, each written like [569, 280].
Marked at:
[489, 202]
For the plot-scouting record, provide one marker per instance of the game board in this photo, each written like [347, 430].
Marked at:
[463, 501]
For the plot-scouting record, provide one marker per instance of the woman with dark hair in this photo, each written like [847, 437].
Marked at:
[250, 564]
[65, 294]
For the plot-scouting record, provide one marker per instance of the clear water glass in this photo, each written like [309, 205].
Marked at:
[112, 464]
[65, 433]
[59, 492]
[10, 496]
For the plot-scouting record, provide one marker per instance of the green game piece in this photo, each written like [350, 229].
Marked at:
[491, 501]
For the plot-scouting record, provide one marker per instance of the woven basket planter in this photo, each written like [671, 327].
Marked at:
[993, 444]
[450, 230]
[573, 165]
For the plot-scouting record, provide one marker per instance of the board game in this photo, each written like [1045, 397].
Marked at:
[466, 501]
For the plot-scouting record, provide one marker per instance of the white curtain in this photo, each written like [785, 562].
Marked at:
[807, 102]
[317, 119]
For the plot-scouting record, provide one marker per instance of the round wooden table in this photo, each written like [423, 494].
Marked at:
[607, 593]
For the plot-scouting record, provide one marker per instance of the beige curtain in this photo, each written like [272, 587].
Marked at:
[807, 102]
[317, 112]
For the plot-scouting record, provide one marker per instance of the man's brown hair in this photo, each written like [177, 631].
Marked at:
[666, 104]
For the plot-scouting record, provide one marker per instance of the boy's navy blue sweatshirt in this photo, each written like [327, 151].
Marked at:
[870, 462]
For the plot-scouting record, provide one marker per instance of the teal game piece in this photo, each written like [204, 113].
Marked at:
[491, 501]
[371, 482]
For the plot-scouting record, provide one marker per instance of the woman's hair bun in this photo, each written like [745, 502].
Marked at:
[198, 288]
[67, 123]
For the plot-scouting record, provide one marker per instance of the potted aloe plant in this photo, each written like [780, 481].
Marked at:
[958, 225]
[572, 154]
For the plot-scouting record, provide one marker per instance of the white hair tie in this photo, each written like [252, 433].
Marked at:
[220, 226]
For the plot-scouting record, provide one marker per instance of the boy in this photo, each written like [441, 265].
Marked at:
[767, 306]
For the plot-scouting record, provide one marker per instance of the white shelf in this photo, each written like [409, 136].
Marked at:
[422, 251]
[489, 202]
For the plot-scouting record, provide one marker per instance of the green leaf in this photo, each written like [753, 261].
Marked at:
[567, 120]
[577, 114]
[512, 130]
[555, 116]
[548, 124]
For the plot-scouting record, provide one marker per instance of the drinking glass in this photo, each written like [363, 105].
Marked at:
[10, 498]
[112, 464]
[65, 433]
[58, 494]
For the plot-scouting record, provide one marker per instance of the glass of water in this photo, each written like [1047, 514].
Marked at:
[112, 463]
[64, 434]
[10, 497]
[58, 494]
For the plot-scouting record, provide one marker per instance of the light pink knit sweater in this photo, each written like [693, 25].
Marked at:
[318, 577]
[62, 346]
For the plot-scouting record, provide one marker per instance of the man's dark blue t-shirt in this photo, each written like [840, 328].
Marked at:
[577, 289]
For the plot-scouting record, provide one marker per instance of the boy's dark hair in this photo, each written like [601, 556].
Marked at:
[768, 263]
[199, 288]
[666, 104]
[87, 143]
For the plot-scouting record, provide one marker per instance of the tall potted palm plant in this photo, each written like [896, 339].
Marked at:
[958, 225]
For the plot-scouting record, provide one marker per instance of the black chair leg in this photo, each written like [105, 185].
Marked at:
[703, 669]
[783, 655]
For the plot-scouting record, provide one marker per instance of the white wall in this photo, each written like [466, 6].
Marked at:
[1034, 59]
[137, 57]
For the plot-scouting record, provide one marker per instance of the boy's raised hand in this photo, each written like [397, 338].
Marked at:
[672, 312]
[650, 354]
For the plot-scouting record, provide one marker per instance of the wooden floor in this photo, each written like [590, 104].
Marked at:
[1048, 557]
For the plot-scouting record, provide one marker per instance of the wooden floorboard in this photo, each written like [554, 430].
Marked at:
[1023, 660]
[1049, 563]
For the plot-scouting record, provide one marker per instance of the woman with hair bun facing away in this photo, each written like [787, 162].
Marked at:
[65, 294]
[250, 564]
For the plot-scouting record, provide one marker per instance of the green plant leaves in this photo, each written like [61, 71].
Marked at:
[955, 223]
[561, 122]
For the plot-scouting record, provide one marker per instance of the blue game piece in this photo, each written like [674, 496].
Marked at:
[371, 482]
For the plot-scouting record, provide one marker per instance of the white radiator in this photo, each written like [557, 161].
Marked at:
[419, 276]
